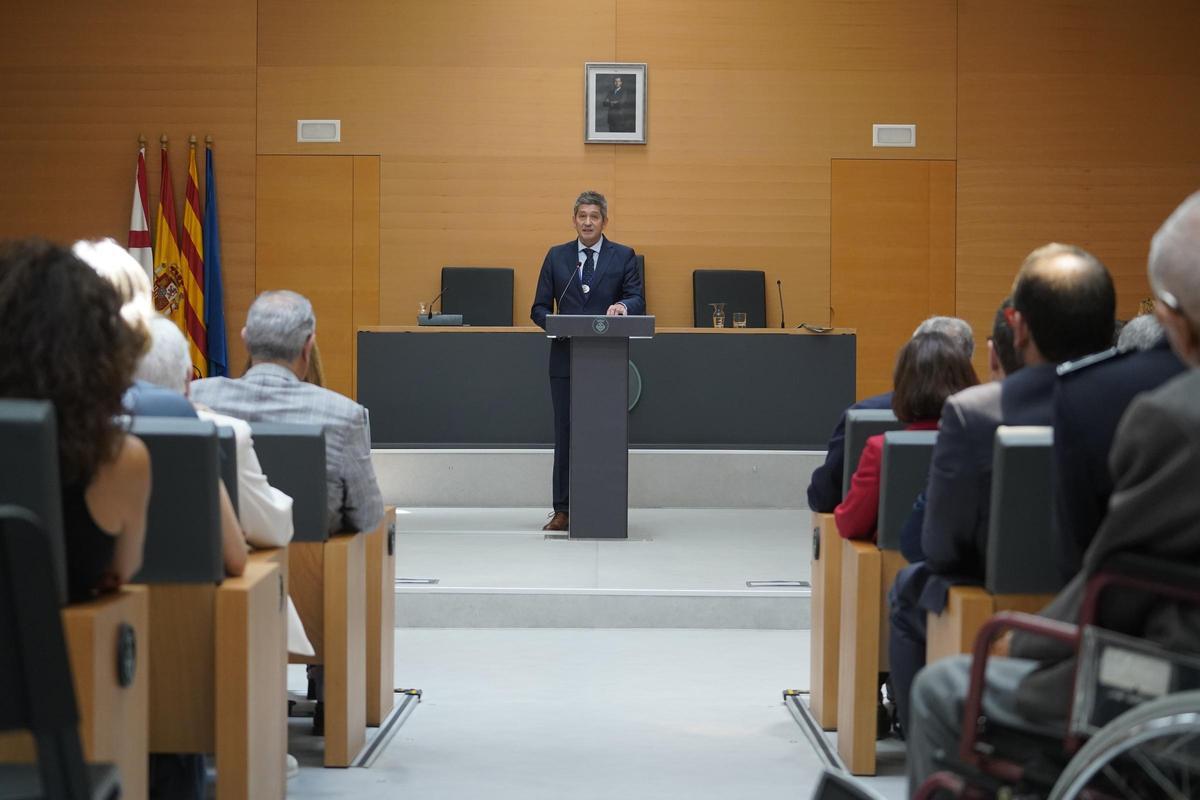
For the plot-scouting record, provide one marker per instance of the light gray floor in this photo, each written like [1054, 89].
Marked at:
[564, 713]
[700, 549]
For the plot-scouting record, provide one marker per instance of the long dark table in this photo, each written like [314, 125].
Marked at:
[700, 388]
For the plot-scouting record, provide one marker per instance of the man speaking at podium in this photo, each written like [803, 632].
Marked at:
[590, 275]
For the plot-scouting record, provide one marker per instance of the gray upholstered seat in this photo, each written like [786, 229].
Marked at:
[183, 524]
[1021, 520]
[293, 459]
[903, 474]
[862, 424]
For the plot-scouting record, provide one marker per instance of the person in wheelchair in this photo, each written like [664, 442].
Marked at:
[1154, 511]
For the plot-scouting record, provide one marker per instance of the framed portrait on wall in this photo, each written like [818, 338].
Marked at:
[614, 104]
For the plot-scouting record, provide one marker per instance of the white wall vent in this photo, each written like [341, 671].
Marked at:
[893, 135]
[318, 130]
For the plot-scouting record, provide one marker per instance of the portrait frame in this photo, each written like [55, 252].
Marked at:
[614, 102]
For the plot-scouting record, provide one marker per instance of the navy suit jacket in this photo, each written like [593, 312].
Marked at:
[825, 487]
[615, 280]
[958, 494]
[1088, 404]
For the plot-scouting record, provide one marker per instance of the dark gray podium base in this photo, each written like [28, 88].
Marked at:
[599, 438]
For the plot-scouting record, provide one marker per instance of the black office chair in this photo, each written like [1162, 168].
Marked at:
[739, 289]
[39, 694]
[483, 295]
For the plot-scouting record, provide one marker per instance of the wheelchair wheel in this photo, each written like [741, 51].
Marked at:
[1152, 750]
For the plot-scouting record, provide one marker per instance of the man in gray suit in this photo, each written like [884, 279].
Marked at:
[1154, 510]
[1063, 304]
[280, 332]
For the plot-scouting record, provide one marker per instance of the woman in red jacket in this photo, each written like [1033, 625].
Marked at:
[929, 368]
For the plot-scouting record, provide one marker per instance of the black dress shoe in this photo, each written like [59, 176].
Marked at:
[559, 522]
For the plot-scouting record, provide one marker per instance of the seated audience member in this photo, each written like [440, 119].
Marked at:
[63, 339]
[143, 398]
[1003, 361]
[280, 333]
[1062, 308]
[1140, 333]
[1091, 396]
[118, 267]
[929, 368]
[825, 486]
[1003, 358]
[265, 513]
[1154, 510]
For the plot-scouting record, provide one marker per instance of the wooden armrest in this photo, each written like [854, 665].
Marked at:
[952, 632]
[381, 618]
[113, 718]
[826, 579]
[858, 661]
[251, 683]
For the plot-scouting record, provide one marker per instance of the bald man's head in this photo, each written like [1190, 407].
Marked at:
[1065, 297]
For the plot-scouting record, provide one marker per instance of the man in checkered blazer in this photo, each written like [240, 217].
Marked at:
[280, 332]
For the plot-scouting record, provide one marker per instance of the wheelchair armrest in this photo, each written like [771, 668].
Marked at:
[1152, 576]
[991, 630]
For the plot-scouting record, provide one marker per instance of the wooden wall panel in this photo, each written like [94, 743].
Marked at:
[892, 259]
[480, 135]
[1076, 123]
[79, 82]
[306, 244]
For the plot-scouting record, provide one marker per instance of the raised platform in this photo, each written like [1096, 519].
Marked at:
[681, 568]
[509, 478]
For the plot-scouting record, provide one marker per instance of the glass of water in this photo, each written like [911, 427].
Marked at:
[739, 319]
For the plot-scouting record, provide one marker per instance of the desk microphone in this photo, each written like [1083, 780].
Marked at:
[429, 313]
[779, 286]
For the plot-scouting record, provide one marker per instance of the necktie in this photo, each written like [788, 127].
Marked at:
[589, 269]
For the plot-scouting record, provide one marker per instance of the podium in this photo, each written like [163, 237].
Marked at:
[599, 419]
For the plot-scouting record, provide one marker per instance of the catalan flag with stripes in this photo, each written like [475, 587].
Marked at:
[168, 278]
[192, 266]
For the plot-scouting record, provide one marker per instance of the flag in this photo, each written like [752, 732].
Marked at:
[168, 279]
[191, 248]
[139, 225]
[214, 303]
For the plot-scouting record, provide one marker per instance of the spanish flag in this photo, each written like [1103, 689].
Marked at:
[192, 264]
[168, 278]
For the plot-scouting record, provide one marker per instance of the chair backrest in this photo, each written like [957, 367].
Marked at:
[1021, 516]
[293, 459]
[183, 524]
[483, 295]
[739, 289]
[29, 473]
[903, 474]
[840, 786]
[227, 447]
[39, 694]
[862, 424]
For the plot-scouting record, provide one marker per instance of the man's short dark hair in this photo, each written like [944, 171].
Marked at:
[929, 368]
[1067, 299]
[1002, 339]
[590, 198]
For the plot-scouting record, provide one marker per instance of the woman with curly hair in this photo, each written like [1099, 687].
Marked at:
[63, 339]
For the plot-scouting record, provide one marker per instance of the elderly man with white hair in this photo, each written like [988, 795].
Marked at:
[1154, 511]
